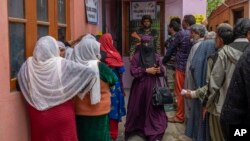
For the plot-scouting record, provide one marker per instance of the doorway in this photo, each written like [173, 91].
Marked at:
[237, 14]
[131, 26]
[112, 21]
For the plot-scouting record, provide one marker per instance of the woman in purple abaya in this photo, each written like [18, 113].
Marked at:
[143, 119]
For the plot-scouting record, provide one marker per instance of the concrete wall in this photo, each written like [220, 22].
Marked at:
[4, 57]
[79, 24]
[172, 8]
[183, 7]
[194, 7]
[13, 118]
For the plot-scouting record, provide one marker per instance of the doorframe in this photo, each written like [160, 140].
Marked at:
[125, 27]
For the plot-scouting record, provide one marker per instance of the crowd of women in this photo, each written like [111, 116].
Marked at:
[74, 93]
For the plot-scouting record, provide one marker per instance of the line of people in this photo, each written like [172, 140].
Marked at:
[78, 98]
[204, 64]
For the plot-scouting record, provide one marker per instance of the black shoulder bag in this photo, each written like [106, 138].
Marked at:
[162, 95]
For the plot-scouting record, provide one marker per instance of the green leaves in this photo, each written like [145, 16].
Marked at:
[212, 5]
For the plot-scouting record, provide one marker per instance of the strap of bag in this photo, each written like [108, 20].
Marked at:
[161, 79]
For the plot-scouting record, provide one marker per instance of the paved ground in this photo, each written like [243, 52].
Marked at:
[174, 131]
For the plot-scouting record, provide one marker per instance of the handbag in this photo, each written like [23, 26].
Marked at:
[162, 95]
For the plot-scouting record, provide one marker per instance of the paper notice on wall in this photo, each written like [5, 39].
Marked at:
[138, 9]
[199, 18]
[91, 7]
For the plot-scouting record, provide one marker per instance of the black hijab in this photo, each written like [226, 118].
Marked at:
[147, 52]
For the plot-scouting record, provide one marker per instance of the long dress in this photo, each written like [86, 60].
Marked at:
[143, 118]
[55, 124]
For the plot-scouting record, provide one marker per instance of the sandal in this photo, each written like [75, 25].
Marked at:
[175, 120]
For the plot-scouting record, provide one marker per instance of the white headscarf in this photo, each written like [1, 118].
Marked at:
[89, 36]
[61, 44]
[47, 80]
[68, 50]
[87, 52]
[68, 53]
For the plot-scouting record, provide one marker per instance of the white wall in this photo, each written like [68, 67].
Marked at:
[194, 7]
[172, 8]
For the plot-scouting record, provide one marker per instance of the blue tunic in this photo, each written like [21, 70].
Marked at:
[117, 98]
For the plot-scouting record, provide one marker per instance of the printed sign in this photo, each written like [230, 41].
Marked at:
[91, 7]
[138, 9]
[199, 18]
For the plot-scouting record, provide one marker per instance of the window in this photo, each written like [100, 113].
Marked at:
[42, 10]
[16, 47]
[42, 30]
[17, 23]
[61, 20]
[28, 21]
[238, 13]
[42, 18]
[61, 11]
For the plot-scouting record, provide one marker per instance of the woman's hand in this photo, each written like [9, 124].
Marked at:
[152, 70]
[158, 70]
